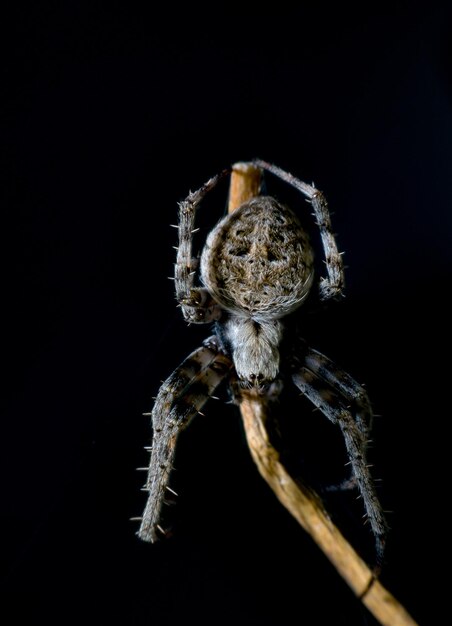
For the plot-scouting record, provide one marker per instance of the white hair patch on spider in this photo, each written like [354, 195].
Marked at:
[255, 349]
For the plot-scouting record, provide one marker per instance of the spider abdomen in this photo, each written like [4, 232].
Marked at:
[258, 261]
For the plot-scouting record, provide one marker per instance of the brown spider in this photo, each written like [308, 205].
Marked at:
[256, 268]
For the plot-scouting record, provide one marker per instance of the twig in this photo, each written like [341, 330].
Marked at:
[302, 502]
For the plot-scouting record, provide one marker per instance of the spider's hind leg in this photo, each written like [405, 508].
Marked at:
[198, 306]
[331, 285]
[179, 399]
[345, 403]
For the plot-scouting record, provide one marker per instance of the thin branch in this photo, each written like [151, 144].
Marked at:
[302, 502]
[245, 184]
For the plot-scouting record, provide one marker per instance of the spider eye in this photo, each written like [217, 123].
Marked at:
[257, 379]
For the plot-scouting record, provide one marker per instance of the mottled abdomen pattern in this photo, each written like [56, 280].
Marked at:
[258, 261]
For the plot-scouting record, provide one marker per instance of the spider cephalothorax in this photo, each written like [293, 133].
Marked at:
[256, 269]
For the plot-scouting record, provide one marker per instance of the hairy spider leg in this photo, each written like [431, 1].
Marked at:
[333, 284]
[198, 306]
[180, 398]
[333, 403]
[354, 393]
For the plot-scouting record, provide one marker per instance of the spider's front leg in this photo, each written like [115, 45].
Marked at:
[333, 284]
[179, 399]
[197, 305]
[343, 401]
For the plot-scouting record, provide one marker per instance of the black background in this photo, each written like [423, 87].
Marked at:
[111, 114]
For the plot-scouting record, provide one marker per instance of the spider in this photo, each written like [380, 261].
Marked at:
[256, 269]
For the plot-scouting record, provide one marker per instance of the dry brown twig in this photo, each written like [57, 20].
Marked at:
[302, 502]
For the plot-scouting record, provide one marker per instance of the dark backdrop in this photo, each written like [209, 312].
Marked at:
[111, 113]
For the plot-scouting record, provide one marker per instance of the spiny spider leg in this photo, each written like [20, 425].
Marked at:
[325, 398]
[197, 305]
[354, 394]
[332, 285]
[180, 398]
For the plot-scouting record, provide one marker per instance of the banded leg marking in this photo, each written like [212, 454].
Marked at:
[180, 398]
[326, 399]
[198, 307]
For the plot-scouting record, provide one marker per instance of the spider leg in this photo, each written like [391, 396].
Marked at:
[197, 305]
[179, 399]
[333, 284]
[328, 397]
[354, 393]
